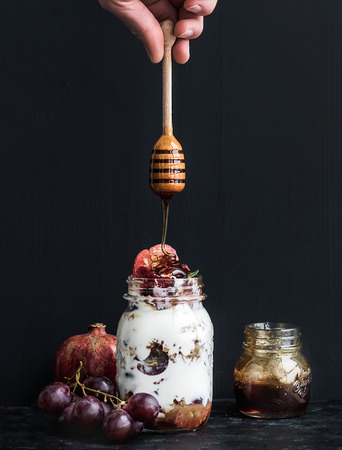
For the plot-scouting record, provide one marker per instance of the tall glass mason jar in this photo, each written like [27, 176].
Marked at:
[272, 379]
[165, 348]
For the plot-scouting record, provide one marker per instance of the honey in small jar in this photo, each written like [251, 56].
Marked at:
[272, 379]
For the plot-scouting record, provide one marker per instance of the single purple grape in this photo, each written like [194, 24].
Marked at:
[100, 383]
[143, 407]
[107, 409]
[88, 411]
[67, 414]
[119, 425]
[54, 397]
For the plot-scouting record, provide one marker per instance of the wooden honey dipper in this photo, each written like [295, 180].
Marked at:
[167, 167]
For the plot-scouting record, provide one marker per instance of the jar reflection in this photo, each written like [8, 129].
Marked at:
[272, 379]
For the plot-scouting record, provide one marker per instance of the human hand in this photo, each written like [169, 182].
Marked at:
[142, 17]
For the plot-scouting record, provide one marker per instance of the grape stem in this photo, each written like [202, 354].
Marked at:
[77, 382]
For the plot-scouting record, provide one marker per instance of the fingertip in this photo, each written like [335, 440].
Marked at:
[181, 51]
[153, 41]
[189, 28]
[153, 57]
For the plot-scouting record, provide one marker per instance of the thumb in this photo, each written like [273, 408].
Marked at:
[142, 23]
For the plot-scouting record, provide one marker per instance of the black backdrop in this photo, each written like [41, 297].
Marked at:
[258, 112]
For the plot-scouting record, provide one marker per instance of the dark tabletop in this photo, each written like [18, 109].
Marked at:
[320, 428]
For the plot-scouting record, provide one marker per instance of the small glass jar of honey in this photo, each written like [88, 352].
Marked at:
[272, 379]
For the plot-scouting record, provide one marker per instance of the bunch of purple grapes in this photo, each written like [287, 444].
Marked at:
[118, 423]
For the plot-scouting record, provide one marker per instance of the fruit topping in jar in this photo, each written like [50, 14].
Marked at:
[153, 263]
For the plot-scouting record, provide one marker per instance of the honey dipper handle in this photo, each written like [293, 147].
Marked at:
[169, 40]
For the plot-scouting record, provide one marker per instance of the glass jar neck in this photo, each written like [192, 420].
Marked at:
[176, 290]
[272, 337]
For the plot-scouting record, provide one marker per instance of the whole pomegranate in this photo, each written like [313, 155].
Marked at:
[96, 350]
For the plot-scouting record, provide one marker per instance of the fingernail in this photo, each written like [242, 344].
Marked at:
[194, 9]
[186, 35]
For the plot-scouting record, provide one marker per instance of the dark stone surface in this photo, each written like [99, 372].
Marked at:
[319, 428]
